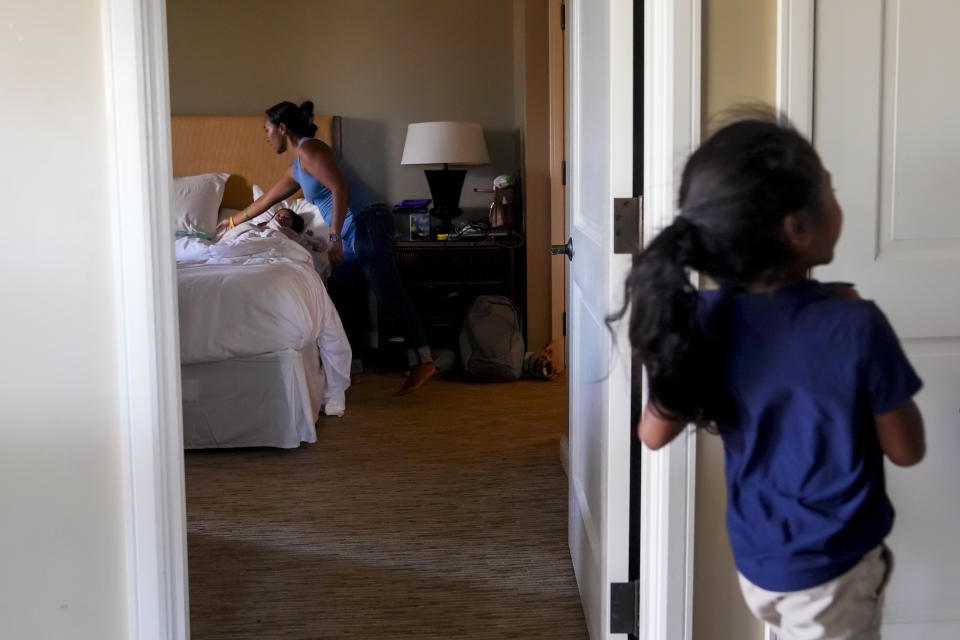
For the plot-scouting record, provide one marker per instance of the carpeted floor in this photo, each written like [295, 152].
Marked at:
[437, 515]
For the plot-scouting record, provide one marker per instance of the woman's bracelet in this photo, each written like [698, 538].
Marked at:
[246, 215]
[231, 222]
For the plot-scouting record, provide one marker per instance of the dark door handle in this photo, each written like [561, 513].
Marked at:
[563, 249]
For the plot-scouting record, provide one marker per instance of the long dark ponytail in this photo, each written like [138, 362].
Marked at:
[299, 120]
[735, 191]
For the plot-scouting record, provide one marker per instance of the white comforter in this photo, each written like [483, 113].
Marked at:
[254, 295]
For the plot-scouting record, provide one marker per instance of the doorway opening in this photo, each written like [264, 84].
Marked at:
[511, 105]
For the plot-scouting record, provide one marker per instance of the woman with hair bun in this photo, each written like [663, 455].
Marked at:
[359, 244]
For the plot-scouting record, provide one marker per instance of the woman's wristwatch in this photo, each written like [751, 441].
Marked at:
[334, 237]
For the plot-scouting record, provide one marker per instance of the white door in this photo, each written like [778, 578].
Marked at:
[886, 123]
[599, 165]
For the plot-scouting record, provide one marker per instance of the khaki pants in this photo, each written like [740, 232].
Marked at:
[846, 608]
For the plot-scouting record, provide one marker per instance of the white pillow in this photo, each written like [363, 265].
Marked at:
[312, 220]
[196, 201]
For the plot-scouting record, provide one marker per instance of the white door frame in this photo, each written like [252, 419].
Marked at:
[138, 119]
[138, 124]
[671, 131]
[795, 49]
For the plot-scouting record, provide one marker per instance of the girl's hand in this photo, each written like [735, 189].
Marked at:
[222, 226]
[655, 430]
[901, 434]
[844, 291]
[848, 293]
[335, 253]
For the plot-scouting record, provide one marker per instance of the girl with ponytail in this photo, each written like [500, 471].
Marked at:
[806, 383]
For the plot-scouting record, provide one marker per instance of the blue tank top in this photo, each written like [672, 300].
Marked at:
[322, 197]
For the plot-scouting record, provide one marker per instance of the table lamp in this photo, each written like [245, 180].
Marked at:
[445, 143]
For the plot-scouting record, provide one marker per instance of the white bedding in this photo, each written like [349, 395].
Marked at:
[258, 294]
[264, 401]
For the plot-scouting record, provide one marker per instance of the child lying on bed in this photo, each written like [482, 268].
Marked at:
[284, 220]
[290, 224]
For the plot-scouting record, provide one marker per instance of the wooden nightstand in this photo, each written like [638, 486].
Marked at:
[444, 277]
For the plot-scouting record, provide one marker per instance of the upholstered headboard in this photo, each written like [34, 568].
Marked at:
[236, 145]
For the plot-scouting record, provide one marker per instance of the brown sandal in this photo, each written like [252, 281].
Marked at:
[418, 375]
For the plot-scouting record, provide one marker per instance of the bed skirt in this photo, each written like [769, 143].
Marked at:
[271, 400]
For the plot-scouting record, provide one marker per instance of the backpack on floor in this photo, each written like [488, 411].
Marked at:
[491, 341]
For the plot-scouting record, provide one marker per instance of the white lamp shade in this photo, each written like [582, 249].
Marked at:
[445, 143]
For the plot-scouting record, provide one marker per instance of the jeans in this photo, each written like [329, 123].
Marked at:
[372, 258]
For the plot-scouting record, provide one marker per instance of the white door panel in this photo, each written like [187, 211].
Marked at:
[886, 125]
[599, 165]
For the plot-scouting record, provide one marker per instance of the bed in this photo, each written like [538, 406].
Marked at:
[263, 353]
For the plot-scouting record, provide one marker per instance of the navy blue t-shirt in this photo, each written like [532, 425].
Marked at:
[801, 376]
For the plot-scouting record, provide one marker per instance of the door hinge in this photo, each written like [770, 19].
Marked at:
[563, 17]
[563, 173]
[625, 607]
[564, 324]
[627, 225]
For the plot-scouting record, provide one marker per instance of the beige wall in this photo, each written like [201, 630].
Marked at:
[533, 52]
[739, 64]
[380, 64]
[739, 53]
[61, 536]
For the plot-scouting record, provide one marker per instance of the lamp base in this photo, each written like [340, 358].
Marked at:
[445, 187]
[445, 226]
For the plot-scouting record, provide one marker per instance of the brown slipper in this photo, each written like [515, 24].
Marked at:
[418, 375]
